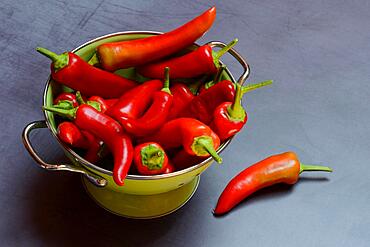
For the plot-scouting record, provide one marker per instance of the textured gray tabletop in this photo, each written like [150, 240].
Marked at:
[317, 52]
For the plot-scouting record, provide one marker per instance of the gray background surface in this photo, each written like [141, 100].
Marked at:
[317, 53]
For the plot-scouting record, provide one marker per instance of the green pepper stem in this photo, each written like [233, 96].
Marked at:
[236, 111]
[252, 87]
[94, 60]
[64, 104]
[218, 54]
[304, 167]
[94, 104]
[79, 98]
[70, 113]
[216, 78]
[204, 145]
[59, 61]
[166, 83]
[152, 157]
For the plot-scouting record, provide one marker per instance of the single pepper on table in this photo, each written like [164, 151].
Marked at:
[108, 130]
[131, 53]
[280, 168]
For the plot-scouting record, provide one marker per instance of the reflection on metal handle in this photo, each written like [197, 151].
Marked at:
[237, 56]
[96, 180]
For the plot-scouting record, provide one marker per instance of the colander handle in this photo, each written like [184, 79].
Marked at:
[95, 179]
[237, 56]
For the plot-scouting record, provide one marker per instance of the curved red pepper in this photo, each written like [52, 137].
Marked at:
[72, 71]
[108, 130]
[182, 96]
[153, 118]
[193, 64]
[150, 159]
[280, 168]
[195, 137]
[155, 115]
[133, 103]
[125, 54]
[66, 97]
[92, 153]
[69, 133]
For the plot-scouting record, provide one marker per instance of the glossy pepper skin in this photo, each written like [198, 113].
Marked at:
[108, 130]
[195, 137]
[193, 64]
[182, 96]
[203, 105]
[155, 116]
[66, 97]
[150, 159]
[280, 168]
[125, 54]
[224, 125]
[110, 102]
[133, 103]
[70, 134]
[230, 117]
[72, 71]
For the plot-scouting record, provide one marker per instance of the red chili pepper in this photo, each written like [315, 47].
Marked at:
[108, 130]
[66, 97]
[125, 54]
[217, 78]
[182, 96]
[196, 63]
[183, 160]
[110, 102]
[203, 105]
[72, 71]
[150, 159]
[195, 137]
[69, 133]
[155, 115]
[92, 153]
[230, 117]
[133, 103]
[280, 168]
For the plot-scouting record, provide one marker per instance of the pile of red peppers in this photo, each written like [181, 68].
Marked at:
[161, 125]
